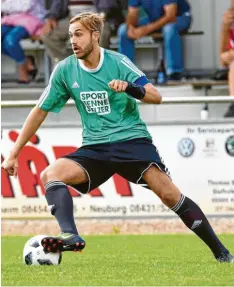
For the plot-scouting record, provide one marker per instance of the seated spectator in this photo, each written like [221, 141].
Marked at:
[227, 58]
[222, 73]
[113, 12]
[169, 16]
[55, 31]
[21, 22]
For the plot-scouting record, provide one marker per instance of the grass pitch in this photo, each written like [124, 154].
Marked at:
[118, 260]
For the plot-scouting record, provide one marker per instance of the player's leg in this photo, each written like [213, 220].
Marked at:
[55, 178]
[84, 169]
[189, 212]
[142, 164]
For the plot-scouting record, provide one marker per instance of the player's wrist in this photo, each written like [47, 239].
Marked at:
[13, 155]
[135, 91]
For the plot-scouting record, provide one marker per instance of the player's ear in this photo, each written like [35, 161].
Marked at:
[96, 36]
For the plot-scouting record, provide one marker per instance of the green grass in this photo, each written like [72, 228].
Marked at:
[118, 260]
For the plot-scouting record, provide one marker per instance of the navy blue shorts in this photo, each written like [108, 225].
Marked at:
[130, 159]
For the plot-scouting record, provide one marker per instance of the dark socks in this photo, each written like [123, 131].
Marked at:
[195, 220]
[61, 205]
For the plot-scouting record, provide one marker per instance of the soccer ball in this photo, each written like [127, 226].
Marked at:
[33, 253]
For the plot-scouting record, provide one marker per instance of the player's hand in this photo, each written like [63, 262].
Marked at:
[118, 85]
[131, 32]
[53, 23]
[11, 166]
[136, 32]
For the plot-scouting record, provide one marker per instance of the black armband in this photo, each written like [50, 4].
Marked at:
[135, 91]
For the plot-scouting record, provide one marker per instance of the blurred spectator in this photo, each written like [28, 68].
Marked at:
[114, 16]
[169, 16]
[20, 22]
[227, 58]
[55, 30]
[222, 73]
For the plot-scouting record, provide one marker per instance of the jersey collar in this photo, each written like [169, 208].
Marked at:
[98, 66]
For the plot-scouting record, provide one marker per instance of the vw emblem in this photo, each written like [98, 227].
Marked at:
[186, 147]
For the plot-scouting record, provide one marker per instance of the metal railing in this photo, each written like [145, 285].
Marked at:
[165, 100]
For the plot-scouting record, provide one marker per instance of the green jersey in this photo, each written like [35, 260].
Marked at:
[106, 115]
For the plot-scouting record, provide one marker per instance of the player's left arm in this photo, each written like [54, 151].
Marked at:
[146, 93]
[134, 82]
[152, 95]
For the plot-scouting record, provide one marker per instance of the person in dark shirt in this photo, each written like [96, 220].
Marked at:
[54, 33]
[169, 16]
[113, 12]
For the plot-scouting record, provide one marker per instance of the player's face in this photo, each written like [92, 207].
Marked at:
[81, 40]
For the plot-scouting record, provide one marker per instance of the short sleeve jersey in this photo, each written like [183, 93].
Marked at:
[155, 8]
[106, 115]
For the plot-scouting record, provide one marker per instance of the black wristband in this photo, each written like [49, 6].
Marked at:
[135, 91]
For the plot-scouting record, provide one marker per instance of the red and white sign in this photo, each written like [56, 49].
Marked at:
[200, 160]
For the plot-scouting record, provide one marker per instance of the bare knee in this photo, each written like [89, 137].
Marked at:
[169, 197]
[48, 175]
[66, 171]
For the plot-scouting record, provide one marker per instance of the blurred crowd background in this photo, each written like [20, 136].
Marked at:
[172, 41]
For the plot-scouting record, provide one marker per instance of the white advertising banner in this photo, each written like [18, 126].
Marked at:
[200, 159]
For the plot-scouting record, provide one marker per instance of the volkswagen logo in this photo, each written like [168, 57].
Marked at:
[229, 145]
[186, 147]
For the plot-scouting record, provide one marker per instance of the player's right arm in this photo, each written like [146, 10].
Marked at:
[31, 125]
[53, 99]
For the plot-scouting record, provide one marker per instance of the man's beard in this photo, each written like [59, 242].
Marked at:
[87, 51]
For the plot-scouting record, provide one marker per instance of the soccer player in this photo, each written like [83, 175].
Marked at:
[104, 86]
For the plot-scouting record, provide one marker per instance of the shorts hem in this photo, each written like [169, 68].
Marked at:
[152, 163]
[89, 179]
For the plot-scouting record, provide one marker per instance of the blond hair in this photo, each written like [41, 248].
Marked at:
[91, 21]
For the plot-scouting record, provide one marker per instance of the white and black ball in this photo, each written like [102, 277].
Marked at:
[33, 253]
